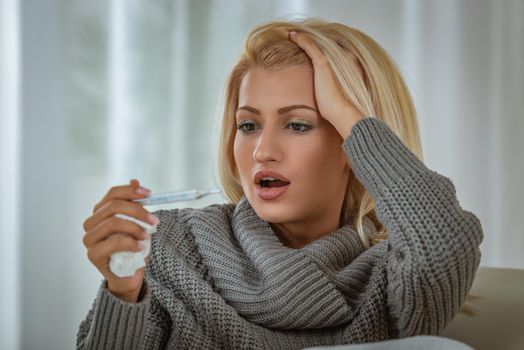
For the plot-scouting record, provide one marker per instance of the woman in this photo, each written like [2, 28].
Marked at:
[336, 232]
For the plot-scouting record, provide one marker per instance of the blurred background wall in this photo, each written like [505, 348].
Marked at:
[94, 93]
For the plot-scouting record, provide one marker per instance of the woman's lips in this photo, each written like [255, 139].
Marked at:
[270, 193]
[268, 173]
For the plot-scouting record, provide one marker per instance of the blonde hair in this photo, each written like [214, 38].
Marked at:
[367, 75]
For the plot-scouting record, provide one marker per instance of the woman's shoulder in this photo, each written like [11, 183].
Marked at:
[182, 229]
[216, 212]
[179, 235]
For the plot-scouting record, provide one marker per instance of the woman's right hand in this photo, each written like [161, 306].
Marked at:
[102, 225]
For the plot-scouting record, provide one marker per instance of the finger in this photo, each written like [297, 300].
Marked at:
[131, 191]
[134, 183]
[317, 56]
[117, 206]
[99, 253]
[309, 46]
[111, 226]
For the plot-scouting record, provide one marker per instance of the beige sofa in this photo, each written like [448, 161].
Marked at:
[499, 323]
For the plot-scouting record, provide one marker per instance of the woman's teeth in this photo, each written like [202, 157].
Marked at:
[271, 182]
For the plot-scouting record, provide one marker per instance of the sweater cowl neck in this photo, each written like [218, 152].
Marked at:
[340, 247]
[281, 287]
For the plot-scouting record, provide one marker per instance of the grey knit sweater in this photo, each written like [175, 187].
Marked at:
[219, 277]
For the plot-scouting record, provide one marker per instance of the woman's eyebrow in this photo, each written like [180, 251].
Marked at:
[280, 110]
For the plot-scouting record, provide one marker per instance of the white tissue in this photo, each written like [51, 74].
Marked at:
[125, 264]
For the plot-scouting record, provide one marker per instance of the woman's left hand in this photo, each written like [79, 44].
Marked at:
[332, 104]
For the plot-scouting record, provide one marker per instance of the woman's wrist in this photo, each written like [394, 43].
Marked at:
[345, 120]
[131, 297]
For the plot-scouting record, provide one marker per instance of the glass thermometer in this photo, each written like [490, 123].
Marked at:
[177, 196]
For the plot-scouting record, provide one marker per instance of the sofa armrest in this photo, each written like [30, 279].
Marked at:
[499, 323]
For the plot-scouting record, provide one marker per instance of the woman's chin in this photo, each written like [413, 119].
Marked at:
[281, 212]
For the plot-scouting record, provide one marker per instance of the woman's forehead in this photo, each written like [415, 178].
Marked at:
[290, 85]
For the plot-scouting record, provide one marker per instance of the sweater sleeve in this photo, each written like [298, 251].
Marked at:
[433, 244]
[113, 323]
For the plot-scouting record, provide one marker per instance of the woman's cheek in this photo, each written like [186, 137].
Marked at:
[241, 155]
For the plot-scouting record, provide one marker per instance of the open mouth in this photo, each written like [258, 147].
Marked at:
[272, 182]
[271, 188]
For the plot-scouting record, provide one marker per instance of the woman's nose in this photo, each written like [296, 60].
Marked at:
[267, 147]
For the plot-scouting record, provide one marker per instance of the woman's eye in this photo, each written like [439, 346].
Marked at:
[246, 127]
[299, 127]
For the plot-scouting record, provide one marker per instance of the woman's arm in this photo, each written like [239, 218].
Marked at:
[115, 324]
[433, 249]
[433, 244]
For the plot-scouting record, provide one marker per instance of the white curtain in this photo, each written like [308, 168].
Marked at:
[10, 234]
[94, 93]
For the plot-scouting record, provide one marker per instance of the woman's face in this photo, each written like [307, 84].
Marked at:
[280, 130]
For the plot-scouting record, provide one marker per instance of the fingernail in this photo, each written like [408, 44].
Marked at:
[146, 235]
[153, 219]
[142, 190]
[141, 246]
[292, 32]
